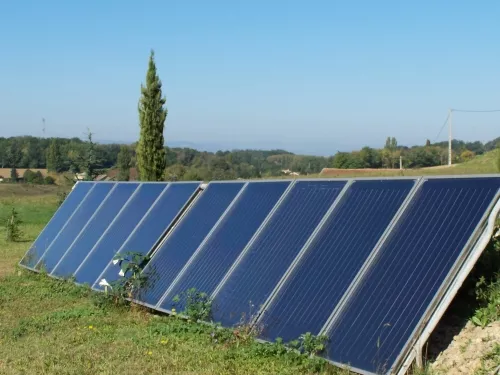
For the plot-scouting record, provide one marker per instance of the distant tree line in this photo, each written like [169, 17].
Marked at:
[428, 155]
[75, 155]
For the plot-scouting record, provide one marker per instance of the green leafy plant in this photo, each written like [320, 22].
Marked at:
[14, 232]
[488, 295]
[309, 344]
[132, 281]
[198, 305]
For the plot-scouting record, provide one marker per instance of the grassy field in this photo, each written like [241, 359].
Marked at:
[54, 327]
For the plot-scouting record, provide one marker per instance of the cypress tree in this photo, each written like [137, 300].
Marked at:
[151, 158]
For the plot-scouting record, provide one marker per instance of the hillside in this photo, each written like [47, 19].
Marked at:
[481, 164]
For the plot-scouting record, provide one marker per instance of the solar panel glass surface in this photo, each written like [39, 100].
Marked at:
[188, 234]
[62, 215]
[118, 232]
[75, 225]
[154, 224]
[227, 242]
[273, 251]
[334, 258]
[412, 265]
[93, 231]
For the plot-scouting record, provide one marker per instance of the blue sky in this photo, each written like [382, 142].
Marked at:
[313, 77]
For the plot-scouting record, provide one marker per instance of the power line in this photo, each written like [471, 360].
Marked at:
[462, 110]
[442, 127]
[470, 110]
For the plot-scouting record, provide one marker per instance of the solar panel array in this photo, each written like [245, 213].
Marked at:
[364, 261]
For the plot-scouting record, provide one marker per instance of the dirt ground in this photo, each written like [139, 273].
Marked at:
[463, 355]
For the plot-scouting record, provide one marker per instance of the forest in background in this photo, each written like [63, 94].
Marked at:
[72, 154]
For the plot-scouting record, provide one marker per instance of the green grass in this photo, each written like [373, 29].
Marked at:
[50, 326]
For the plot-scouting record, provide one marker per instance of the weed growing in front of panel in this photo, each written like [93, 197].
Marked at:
[132, 281]
[198, 305]
[487, 287]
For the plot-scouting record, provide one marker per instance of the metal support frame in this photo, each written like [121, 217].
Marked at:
[450, 286]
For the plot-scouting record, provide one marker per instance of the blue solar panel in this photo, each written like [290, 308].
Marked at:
[275, 248]
[173, 254]
[118, 232]
[94, 229]
[332, 261]
[55, 224]
[154, 224]
[380, 317]
[226, 243]
[81, 216]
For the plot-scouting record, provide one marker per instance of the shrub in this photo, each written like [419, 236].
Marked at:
[13, 222]
[49, 180]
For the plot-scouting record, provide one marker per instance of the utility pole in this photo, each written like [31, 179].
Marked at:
[449, 137]
[400, 162]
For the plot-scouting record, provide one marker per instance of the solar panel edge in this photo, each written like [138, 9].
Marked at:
[461, 268]
[418, 183]
[35, 268]
[107, 229]
[272, 296]
[200, 246]
[252, 240]
[83, 228]
[167, 186]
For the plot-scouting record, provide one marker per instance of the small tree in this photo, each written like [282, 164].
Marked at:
[54, 157]
[91, 163]
[13, 175]
[124, 160]
[13, 222]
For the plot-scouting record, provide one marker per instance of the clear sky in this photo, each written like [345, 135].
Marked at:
[309, 76]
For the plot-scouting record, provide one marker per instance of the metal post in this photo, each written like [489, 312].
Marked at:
[449, 137]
